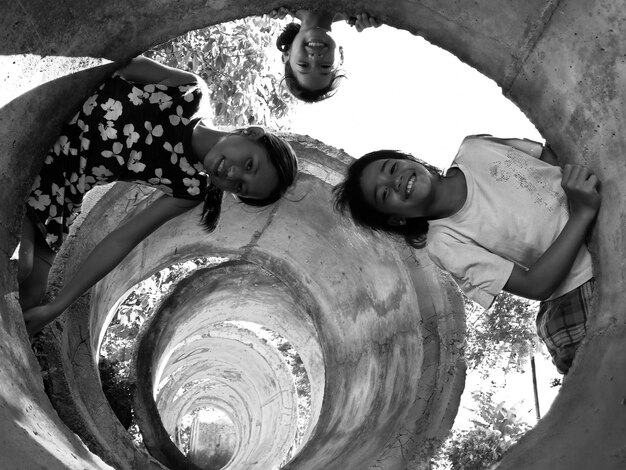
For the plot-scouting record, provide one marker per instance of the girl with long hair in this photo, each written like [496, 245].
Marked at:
[141, 125]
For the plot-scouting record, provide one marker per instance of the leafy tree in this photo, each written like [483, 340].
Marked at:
[503, 336]
[139, 306]
[476, 449]
[498, 417]
[117, 344]
[242, 67]
[556, 382]
[496, 428]
[134, 310]
[118, 390]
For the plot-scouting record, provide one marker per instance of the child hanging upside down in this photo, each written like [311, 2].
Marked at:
[309, 51]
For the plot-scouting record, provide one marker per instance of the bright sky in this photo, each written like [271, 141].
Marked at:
[403, 93]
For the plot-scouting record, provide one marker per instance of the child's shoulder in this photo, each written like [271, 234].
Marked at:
[483, 143]
[478, 136]
[475, 139]
[473, 144]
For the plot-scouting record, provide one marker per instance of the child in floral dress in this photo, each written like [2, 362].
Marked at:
[141, 125]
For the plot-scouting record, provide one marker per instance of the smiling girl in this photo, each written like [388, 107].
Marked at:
[497, 220]
[141, 125]
[311, 55]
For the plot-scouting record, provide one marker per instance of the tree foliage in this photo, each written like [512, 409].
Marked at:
[118, 342]
[496, 428]
[503, 336]
[498, 417]
[118, 390]
[242, 67]
[476, 449]
[136, 309]
[138, 306]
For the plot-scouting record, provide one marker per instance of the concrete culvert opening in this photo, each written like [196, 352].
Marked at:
[201, 396]
[209, 352]
[198, 331]
[562, 63]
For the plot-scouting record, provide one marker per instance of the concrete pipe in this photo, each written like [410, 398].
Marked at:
[561, 62]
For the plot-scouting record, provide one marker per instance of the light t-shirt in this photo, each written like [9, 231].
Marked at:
[515, 209]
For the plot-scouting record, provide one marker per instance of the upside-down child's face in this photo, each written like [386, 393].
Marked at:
[398, 188]
[313, 58]
[239, 163]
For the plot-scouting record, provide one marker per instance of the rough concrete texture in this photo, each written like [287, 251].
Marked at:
[388, 326]
[216, 439]
[562, 62]
[219, 366]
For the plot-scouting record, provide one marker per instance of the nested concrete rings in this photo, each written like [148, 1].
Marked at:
[189, 347]
[378, 327]
[561, 62]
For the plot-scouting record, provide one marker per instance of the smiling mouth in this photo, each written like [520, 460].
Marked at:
[316, 45]
[220, 167]
[409, 185]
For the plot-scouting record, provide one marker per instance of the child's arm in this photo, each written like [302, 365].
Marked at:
[362, 21]
[280, 13]
[541, 279]
[548, 156]
[534, 149]
[530, 147]
[144, 70]
[106, 255]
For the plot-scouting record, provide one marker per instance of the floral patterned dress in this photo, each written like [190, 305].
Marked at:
[123, 132]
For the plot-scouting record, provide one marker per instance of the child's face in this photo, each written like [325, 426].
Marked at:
[240, 164]
[312, 58]
[398, 188]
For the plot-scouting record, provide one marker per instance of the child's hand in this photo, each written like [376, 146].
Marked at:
[38, 317]
[580, 186]
[279, 14]
[362, 21]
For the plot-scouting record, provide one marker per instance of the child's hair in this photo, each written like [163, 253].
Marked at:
[212, 207]
[283, 43]
[348, 197]
[284, 160]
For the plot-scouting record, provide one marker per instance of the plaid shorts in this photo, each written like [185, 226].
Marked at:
[562, 324]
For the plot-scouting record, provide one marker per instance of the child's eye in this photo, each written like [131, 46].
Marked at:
[393, 168]
[249, 165]
[303, 65]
